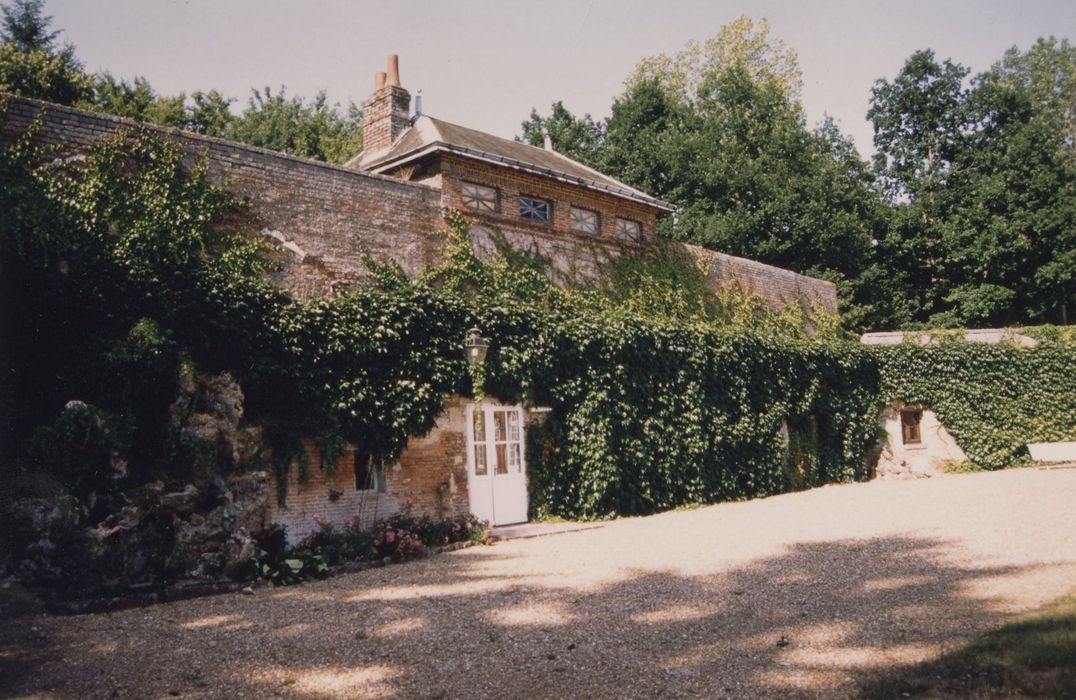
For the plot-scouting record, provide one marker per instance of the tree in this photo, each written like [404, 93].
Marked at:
[292, 125]
[983, 187]
[580, 138]
[26, 26]
[209, 113]
[137, 100]
[718, 130]
[30, 64]
[919, 121]
[742, 42]
[1011, 235]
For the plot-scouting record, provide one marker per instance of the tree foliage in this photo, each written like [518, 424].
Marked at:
[742, 43]
[749, 175]
[982, 183]
[293, 125]
[26, 26]
[30, 63]
[579, 138]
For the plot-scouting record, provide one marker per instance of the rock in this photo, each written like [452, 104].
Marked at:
[182, 501]
[247, 590]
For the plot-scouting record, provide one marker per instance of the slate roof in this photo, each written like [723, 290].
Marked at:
[428, 135]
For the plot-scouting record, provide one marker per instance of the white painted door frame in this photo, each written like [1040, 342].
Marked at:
[496, 464]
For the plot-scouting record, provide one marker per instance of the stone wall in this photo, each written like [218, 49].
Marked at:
[325, 218]
[322, 217]
[779, 287]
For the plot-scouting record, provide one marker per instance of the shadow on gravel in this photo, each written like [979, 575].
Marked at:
[821, 618]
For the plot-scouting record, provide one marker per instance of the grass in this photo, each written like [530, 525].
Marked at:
[1034, 657]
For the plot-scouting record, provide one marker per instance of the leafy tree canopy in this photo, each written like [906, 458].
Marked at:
[719, 131]
[305, 128]
[983, 187]
[30, 64]
[25, 25]
[580, 138]
[742, 42]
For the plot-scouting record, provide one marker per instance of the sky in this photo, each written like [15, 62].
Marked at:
[486, 63]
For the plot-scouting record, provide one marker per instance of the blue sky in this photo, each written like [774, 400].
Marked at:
[484, 63]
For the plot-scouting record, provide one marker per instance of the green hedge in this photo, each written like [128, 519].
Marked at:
[993, 399]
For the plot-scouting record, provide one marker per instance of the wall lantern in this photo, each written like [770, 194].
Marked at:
[476, 347]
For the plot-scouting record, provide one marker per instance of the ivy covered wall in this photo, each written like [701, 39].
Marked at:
[128, 263]
[993, 399]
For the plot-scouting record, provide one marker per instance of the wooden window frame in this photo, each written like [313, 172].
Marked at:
[548, 208]
[597, 221]
[911, 431]
[638, 239]
[479, 201]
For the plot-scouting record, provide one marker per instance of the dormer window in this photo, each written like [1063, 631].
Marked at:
[629, 231]
[584, 221]
[479, 197]
[533, 209]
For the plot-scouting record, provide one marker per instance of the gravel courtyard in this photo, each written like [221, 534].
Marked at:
[802, 595]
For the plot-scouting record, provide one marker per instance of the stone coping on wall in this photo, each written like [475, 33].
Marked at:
[989, 336]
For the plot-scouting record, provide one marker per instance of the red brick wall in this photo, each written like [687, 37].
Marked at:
[430, 478]
[385, 115]
[331, 214]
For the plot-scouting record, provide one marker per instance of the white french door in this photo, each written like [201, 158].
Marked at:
[496, 474]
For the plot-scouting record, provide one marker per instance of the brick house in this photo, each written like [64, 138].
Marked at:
[387, 201]
[530, 198]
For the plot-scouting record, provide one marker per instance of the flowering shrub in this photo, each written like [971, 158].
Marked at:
[398, 537]
[395, 540]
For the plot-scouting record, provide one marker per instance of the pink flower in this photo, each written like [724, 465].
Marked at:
[390, 537]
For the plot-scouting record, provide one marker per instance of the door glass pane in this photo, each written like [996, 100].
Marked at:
[479, 426]
[513, 426]
[499, 425]
[502, 458]
[480, 460]
[513, 457]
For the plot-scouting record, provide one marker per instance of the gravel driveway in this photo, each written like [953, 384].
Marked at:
[802, 595]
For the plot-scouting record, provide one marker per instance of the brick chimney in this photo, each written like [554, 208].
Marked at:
[387, 112]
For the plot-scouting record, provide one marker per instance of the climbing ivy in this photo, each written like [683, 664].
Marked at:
[993, 399]
[662, 393]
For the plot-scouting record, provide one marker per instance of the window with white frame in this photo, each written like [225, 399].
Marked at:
[479, 197]
[584, 221]
[628, 230]
[534, 209]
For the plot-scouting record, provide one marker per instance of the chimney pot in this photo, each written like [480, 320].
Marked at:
[394, 70]
[379, 80]
[547, 140]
